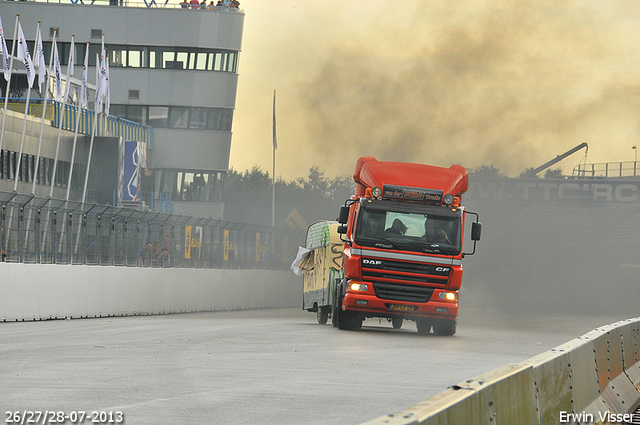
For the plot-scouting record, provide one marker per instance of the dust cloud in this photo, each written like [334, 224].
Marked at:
[498, 82]
[554, 259]
[504, 83]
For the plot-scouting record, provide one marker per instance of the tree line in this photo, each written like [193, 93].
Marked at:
[247, 194]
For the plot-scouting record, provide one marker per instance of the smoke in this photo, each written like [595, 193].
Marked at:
[552, 258]
[504, 83]
[497, 82]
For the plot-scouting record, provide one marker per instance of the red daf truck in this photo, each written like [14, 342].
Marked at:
[403, 233]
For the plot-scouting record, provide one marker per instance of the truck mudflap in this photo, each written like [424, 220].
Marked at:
[372, 306]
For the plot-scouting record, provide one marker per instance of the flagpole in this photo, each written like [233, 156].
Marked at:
[41, 72]
[273, 177]
[57, 72]
[93, 130]
[24, 53]
[26, 109]
[44, 111]
[81, 103]
[98, 106]
[6, 96]
[64, 107]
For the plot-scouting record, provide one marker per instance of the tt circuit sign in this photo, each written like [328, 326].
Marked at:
[551, 190]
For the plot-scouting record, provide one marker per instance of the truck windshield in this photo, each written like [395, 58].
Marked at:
[419, 228]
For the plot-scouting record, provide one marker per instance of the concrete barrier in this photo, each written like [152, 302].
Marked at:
[593, 379]
[45, 291]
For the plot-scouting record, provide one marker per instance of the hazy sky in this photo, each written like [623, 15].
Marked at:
[508, 83]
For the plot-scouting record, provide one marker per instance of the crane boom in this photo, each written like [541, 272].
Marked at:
[560, 157]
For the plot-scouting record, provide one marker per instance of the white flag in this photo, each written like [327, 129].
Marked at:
[5, 54]
[98, 105]
[57, 72]
[103, 72]
[70, 69]
[83, 87]
[40, 61]
[106, 83]
[24, 56]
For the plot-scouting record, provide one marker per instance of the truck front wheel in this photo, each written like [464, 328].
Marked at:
[423, 326]
[350, 321]
[336, 304]
[346, 320]
[445, 327]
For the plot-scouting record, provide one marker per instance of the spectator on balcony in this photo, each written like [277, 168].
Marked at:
[184, 4]
[211, 6]
[195, 4]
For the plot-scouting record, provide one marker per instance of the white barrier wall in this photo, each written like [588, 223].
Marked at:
[46, 291]
[594, 379]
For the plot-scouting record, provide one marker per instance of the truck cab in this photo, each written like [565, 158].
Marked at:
[403, 234]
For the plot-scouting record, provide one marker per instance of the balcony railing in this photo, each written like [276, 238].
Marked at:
[608, 169]
[106, 126]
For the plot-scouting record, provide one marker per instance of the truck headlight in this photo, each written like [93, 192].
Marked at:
[448, 199]
[449, 296]
[359, 287]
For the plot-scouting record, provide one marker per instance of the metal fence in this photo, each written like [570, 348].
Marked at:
[608, 169]
[53, 231]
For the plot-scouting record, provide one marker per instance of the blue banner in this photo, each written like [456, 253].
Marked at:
[132, 168]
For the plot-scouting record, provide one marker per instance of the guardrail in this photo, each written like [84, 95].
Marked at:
[592, 379]
[53, 231]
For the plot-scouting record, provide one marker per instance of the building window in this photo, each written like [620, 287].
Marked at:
[118, 56]
[27, 172]
[218, 119]
[198, 118]
[191, 186]
[138, 57]
[158, 116]
[156, 57]
[201, 61]
[179, 117]
[137, 113]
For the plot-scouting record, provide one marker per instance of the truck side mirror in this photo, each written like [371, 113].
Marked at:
[342, 230]
[343, 217]
[476, 230]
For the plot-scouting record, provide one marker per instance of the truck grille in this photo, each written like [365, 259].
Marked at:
[399, 292]
[383, 270]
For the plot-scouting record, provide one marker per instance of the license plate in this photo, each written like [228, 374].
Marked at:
[402, 307]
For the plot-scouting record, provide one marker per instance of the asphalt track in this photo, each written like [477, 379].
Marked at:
[273, 366]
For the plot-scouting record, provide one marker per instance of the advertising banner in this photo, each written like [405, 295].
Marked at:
[134, 156]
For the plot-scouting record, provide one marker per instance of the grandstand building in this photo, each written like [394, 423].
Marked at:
[173, 72]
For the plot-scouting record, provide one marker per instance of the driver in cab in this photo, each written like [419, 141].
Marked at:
[433, 233]
[397, 228]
